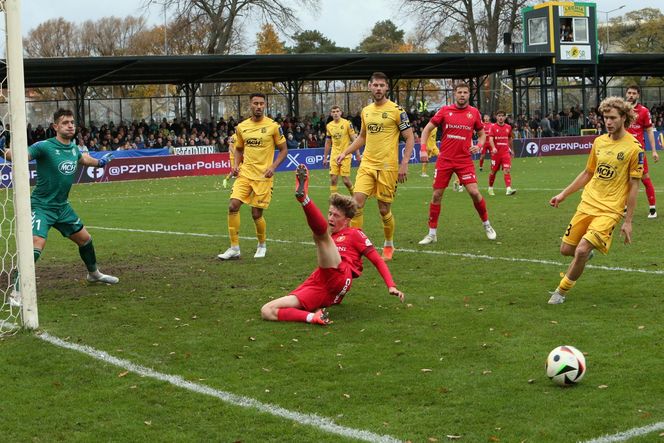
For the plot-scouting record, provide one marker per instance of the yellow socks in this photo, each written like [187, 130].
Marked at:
[234, 228]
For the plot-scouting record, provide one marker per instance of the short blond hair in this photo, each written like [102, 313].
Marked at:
[344, 203]
[624, 108]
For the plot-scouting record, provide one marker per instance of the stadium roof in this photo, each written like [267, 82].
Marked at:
[99, 71]
[621, 65]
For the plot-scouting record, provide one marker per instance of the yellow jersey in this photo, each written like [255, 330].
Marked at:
[613, 163]
[340, 134]
[259, 140]
[431, 141]
[382, 125]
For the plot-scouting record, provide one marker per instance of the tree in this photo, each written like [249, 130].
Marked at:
[112, 36]
[267, 41]
[640, 31]
[313, 41]
[453, 43]
[223, 18]
[42, 42]
[483, 22]
[384, 37]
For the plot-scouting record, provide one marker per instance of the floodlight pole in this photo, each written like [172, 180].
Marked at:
[608, 41]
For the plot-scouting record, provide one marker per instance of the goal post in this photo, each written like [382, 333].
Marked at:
[20, 177]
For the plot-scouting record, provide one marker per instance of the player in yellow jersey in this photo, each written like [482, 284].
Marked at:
[431, 149]
[382, 123]
[256, 140]
[610, 182]
[339, 134]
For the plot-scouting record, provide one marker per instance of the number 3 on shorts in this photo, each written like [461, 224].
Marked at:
[569, 229]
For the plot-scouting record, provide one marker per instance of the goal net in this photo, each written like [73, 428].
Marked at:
[17, 271]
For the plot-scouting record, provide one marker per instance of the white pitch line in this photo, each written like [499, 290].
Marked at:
[321, 423]
[415, 251]
[629, 434]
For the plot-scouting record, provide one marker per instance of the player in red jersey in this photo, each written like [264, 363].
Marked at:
[486, 148]
[501, 138]
[340, 249]
[458, 121]
[643, 123]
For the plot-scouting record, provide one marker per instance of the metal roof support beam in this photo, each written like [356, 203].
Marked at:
[79, 103]
[190, 100]
[293, 98]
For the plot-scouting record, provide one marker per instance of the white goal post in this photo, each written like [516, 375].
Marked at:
[14, 90]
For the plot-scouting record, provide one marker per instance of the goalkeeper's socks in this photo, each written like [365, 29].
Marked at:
[87, 253]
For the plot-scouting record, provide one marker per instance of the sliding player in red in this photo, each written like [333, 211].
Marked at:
[501, 138]
[340, 249]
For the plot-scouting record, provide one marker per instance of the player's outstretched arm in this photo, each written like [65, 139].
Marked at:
[408, 151]
[397, 293]
[87, 160]
[384, 272]
[354, 146]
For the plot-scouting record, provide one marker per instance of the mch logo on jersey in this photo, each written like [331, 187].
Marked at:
[374, 128]
[605, 172]
[67, 167]
[253, 142]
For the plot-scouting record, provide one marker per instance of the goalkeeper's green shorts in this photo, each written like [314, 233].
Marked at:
[64, 219]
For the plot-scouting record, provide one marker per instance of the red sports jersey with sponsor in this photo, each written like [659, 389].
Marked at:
[487, 131]
[501, 137]
[640, 124]
[352, 244]
[458, 125]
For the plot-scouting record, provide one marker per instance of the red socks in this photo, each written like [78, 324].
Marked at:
[481, 210]
[292, 314]
[315, 219]
[650, 190]
[434, 214]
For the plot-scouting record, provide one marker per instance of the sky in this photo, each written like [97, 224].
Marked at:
[346, 22]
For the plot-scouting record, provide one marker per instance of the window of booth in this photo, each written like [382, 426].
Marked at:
[574, 30]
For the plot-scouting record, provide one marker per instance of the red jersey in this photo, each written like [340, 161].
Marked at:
[352, 244]
[501, 135]
[487, 131]
[640, 124]
[458, 125]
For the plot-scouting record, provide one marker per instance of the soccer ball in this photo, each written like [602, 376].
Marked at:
[565, 365]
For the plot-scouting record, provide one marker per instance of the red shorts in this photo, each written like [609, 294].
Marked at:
[501, 159]
[645, 162]
[444, 170]
[486, 150]
[324, 287]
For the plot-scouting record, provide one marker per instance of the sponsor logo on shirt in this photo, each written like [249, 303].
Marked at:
[605, 172]
[67, 167]
[456, 126]
[253, 142]
[375, 128]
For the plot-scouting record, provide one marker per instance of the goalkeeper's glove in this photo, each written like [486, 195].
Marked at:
[104, 160]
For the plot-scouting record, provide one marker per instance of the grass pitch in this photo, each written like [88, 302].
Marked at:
[462, 357]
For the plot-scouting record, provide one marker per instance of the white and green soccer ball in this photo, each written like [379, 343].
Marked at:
[566, 365]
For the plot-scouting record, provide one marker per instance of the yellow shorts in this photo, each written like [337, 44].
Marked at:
[432, 152]
[343, 169]
[253, 192]
[382, 184]
[597, 229]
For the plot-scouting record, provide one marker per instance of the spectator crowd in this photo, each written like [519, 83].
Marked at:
[306, 132]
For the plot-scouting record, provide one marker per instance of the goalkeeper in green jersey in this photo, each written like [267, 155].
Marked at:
[57, 160]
